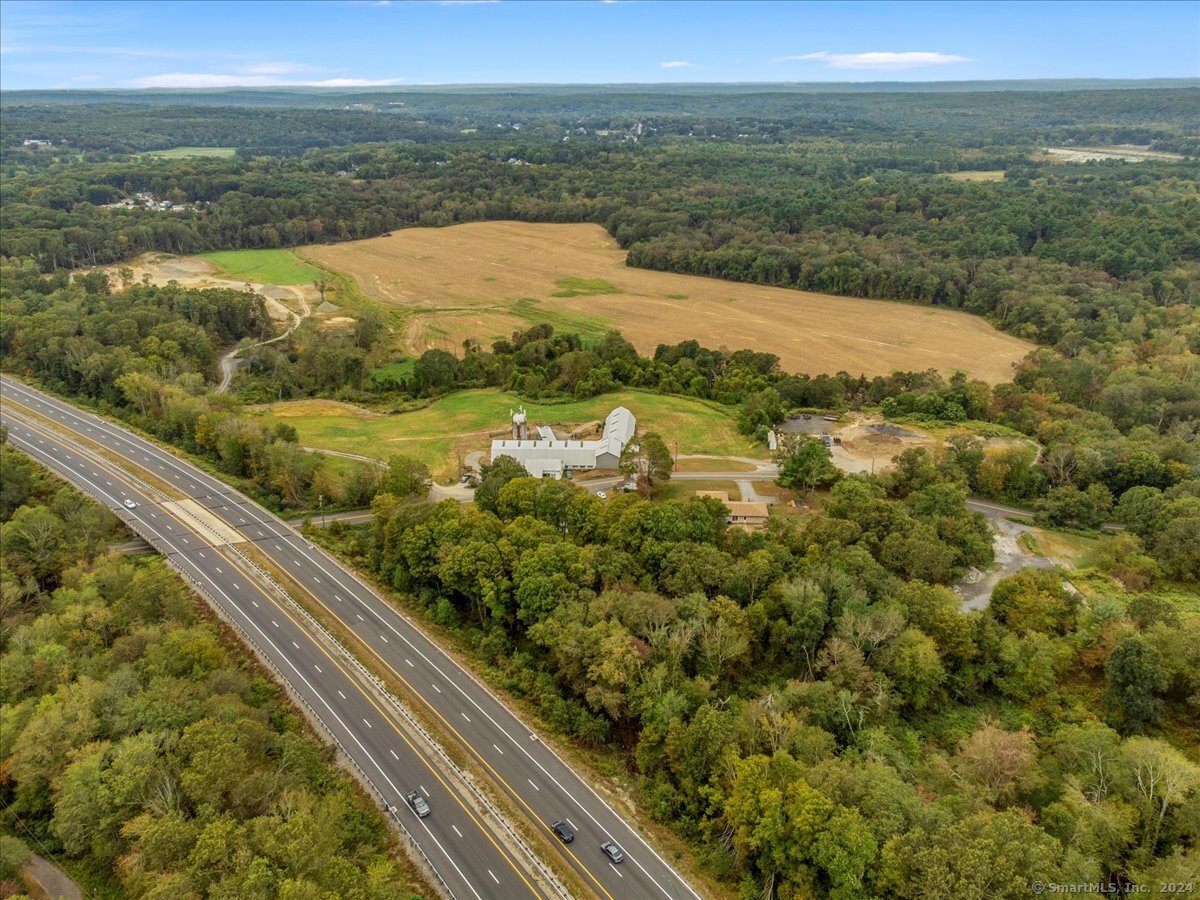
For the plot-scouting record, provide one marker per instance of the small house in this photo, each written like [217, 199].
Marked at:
[747, 514]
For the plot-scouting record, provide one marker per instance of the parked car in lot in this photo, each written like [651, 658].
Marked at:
[603, 495]
[418, 804]
[612, 851]
[564, 832]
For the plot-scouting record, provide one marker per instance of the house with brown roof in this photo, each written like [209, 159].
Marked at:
[750, 515]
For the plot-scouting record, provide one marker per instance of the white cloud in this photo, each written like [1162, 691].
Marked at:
[878, 60]
[677, 64]
[216, 80]
[351, 82]
[278, 68]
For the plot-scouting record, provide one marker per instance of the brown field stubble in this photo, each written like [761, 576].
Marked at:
[469, 281]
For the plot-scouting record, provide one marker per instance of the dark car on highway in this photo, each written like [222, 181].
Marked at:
[564, 832]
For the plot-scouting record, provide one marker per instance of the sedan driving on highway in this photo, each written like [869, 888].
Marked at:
[129, 504]
[418, 804]
[564, 832]
[612, 851]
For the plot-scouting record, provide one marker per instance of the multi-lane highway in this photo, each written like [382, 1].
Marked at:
[465, 849]
[216, 527]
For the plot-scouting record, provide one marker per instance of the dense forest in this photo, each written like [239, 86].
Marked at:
[149, 355]
[807, 706]
[285, 122]
[141, 741]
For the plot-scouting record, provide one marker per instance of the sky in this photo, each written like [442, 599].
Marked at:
[148, 44]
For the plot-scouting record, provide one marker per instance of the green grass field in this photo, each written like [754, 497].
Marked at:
[584, 287]
[401, 369]
[185, 152]
[462, 422]
[263, 266]
[590, 328]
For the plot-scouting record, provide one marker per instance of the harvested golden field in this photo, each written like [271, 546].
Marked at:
[488, 279]
[971, 175]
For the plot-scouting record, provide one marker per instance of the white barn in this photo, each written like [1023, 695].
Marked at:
[549, 457]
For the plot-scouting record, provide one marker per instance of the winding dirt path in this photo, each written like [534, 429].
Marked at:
[54, 882]
[229, 361]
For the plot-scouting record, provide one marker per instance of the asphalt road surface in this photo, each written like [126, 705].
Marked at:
[460, 845]
[463, 847]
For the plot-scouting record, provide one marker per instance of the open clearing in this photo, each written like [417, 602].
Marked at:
[1127, 152]
[990, 175]
[486, 280]
[185, 152]
[280, 267]
[283, 300]
[468, 420]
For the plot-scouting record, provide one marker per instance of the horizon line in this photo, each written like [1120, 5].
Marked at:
[591, 84]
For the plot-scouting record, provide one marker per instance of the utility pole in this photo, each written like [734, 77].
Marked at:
[321, 508]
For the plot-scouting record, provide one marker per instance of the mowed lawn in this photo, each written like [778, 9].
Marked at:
[468, 420]
[263, 266]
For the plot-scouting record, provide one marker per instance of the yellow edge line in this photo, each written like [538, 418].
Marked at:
[123, 478]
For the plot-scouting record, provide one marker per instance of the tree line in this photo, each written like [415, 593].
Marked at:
[809, 706]
[142, 742]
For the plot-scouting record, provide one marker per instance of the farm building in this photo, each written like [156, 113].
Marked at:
[549, 457]
[742, 513]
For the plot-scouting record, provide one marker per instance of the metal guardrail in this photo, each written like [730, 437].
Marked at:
[315, 716]
[136, 526]
[414, 724]
[481, 798]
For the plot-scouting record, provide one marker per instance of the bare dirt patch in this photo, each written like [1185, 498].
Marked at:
[484, 280]
[194, 272]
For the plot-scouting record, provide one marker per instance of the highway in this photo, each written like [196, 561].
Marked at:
[539, 782]
[465, 850]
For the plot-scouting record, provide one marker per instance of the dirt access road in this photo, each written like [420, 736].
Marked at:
[285, 303]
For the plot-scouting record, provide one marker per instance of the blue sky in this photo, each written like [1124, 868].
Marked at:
[97, 44]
